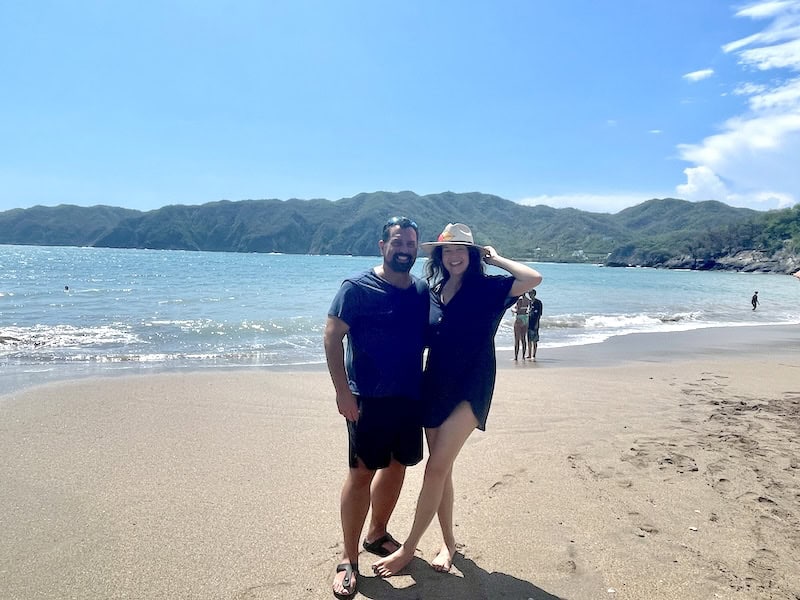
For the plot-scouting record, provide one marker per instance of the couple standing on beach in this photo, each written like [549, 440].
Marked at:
[389, 317]
[527, 317]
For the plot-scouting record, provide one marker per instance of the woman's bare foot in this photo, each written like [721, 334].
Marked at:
[394, 563]
[444, 560]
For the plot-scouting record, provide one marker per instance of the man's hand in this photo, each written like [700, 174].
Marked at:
[348, 406]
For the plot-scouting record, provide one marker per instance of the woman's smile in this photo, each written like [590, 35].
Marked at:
[455, 258]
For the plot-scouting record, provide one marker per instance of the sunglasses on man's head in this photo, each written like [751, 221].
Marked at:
[403, 222]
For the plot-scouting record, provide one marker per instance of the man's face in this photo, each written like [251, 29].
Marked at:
[400, 250]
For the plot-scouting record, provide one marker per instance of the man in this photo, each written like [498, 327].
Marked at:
[533, 324]
[384, 314]
[754, 300]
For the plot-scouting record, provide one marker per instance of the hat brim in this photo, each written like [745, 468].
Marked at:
[428, 247]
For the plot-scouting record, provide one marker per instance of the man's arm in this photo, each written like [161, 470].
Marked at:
[335, 330]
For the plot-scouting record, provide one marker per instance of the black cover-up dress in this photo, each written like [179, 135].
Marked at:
[461, 357]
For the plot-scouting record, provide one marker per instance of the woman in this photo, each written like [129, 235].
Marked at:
[466, 309]
[521, 313]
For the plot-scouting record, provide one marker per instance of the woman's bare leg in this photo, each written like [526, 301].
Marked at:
[444, 560]
[520, 338]
[448, 442]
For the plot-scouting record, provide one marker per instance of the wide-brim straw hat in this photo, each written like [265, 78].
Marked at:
[455, 233]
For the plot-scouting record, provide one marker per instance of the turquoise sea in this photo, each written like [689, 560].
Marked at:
[69, 312]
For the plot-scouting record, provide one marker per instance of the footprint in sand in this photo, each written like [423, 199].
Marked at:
[576, 461]
[567, 566]
[645, 530]
[498, 486]
[681, 462]
[722, 485]
[763, 562]
[638, 457]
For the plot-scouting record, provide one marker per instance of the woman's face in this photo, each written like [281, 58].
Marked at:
[455, 259]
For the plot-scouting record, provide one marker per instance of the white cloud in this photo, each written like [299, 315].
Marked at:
[655, 131]
[752, 160]
[783, 27]
[734, 46]
[749, 89]
[699, 75]
[782, 96]
[605, 203]
[779, 56]
[702, 184]
[761, 10]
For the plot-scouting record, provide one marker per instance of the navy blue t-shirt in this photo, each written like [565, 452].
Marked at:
[386, 337]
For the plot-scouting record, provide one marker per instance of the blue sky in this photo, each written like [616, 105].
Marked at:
[592, 104]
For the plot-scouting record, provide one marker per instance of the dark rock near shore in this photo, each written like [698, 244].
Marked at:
[748, 261]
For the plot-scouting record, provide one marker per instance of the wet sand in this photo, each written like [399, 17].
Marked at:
[648, 467]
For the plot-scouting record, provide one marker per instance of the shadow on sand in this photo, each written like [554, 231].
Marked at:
[420, 582]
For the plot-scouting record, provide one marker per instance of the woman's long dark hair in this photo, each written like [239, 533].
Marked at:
[437, 275]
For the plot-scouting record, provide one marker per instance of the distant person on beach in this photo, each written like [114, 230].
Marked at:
[383, 313]
[466, 309]
[520, 310]
[535, 316]
[754, 300]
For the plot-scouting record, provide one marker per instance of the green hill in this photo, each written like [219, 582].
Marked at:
[659, 232]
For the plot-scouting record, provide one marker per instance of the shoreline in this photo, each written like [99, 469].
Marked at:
[671, 474]
[655, 347]
[709, 342]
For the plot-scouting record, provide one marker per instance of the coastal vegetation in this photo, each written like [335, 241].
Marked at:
[667, 232]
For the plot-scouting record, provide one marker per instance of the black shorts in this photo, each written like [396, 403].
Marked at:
[387, 428]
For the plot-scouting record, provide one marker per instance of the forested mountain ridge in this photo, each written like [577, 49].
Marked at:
[659, 232]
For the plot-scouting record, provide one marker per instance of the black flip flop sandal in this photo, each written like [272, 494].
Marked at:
[349, 569]
[377, 548]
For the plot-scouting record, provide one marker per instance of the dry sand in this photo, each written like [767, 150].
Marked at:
[652, 477]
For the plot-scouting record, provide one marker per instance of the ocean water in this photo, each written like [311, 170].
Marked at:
[69, 312]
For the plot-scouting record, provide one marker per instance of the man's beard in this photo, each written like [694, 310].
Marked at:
[401, 267]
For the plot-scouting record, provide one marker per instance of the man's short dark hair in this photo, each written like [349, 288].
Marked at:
[401, 222]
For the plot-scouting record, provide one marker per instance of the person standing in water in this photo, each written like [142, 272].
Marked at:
[534, 318]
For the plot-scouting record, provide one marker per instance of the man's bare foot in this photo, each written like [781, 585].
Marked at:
[444, 560]
[394, 563]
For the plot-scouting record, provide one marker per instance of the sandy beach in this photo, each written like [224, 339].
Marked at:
[662, 466]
